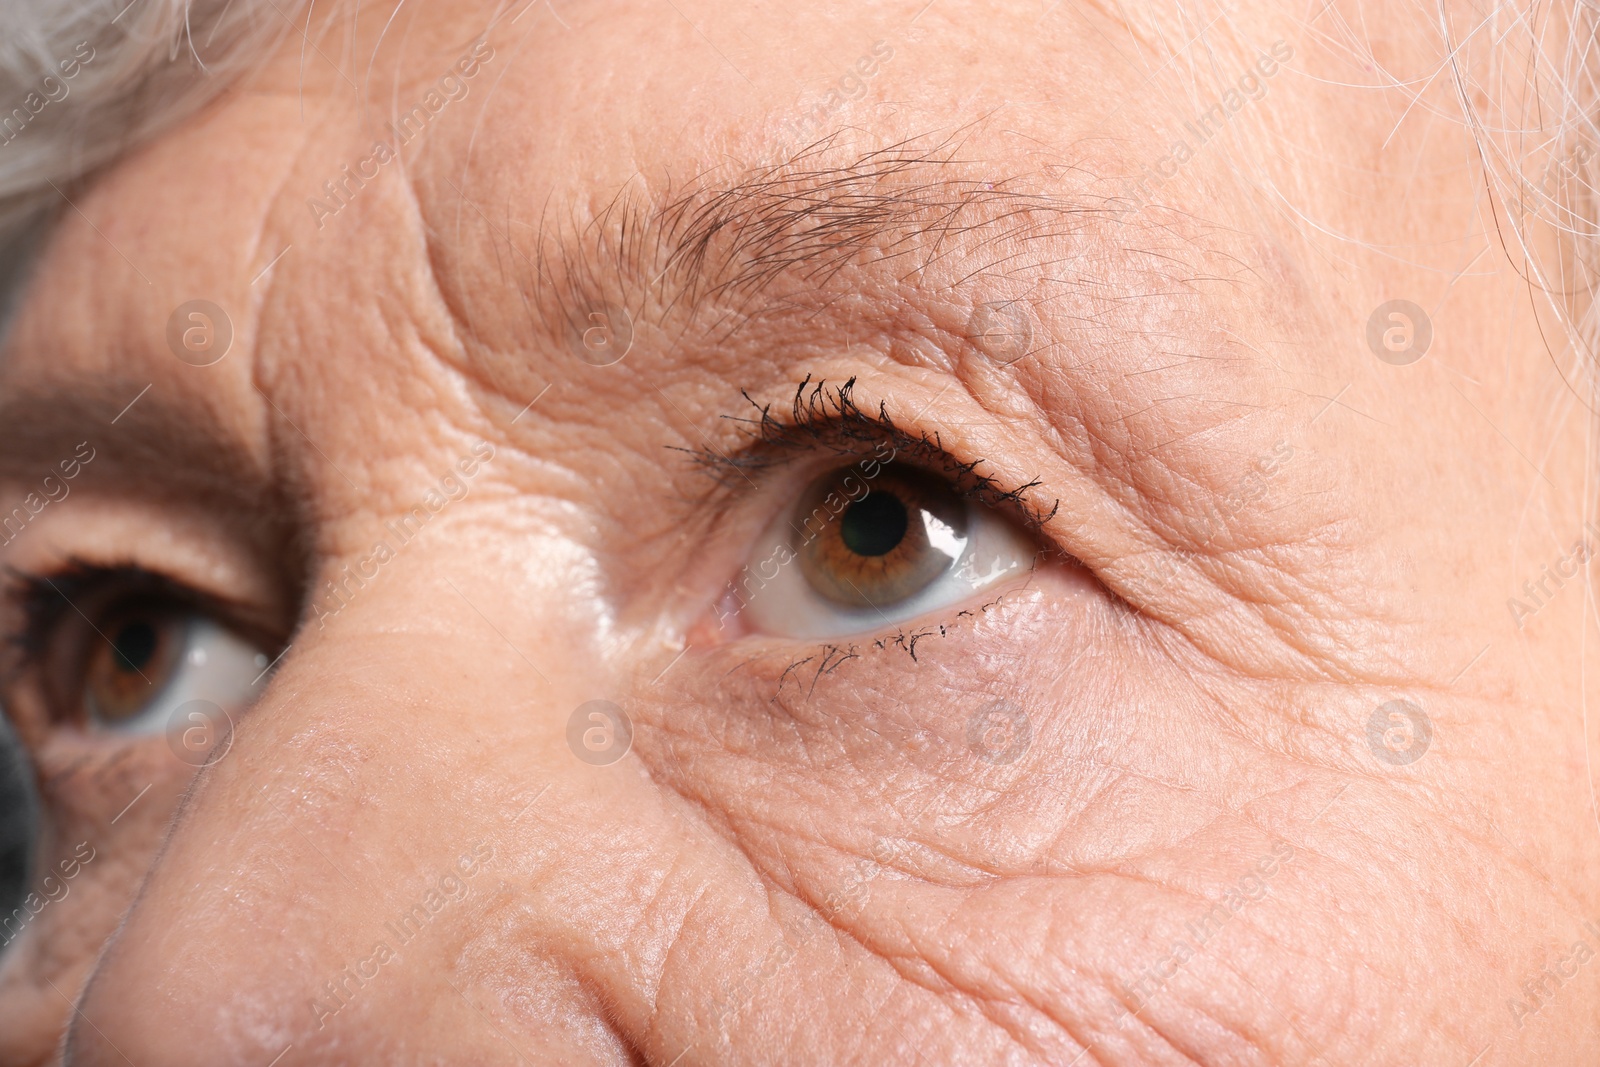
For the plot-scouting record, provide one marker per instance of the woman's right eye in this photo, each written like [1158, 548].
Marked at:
[860, 551]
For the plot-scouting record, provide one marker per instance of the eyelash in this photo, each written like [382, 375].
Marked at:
[827, 417]
[835, 655]
[47, 601]
[822, 417]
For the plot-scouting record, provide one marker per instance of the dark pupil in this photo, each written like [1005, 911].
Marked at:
[873, 525]
[135, 644]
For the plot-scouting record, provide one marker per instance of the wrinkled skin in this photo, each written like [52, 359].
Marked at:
[804, 858]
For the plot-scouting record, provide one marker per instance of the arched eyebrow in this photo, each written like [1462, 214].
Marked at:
[157, 441]
[797, 224]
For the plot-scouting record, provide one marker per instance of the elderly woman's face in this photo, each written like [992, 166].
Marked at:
[720, 535]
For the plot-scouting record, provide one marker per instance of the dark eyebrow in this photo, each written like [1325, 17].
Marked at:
[802, 222]
[158, 444]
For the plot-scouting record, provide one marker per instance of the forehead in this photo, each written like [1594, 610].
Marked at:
[528, 123]
[499, 194]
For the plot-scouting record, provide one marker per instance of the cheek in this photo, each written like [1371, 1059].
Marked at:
[851, 734]
[84, 786]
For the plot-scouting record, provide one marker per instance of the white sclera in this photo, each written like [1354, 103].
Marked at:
[214, 664]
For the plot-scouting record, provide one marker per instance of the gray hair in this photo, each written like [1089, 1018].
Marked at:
[83, 81]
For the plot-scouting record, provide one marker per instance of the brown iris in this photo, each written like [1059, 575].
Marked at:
[873, 541]
[133, 664]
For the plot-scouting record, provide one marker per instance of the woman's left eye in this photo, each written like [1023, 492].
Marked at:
[121, 650]
[857, 553]
[155, 658]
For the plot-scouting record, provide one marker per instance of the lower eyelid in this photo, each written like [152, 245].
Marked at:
[776, 671]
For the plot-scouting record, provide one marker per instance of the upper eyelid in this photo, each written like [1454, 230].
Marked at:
[48, 600]
[44, 600]
[828, 417]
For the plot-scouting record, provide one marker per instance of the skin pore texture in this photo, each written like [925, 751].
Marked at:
[1252, 534]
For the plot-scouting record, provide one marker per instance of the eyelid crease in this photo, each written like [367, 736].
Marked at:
[47, 599]
[825, 417]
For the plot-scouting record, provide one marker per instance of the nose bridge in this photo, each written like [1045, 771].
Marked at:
[354, 826]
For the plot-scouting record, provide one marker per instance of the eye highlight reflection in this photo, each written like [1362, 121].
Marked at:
[118, 650]
[858, 552]
[155, 660]
[887, 542]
